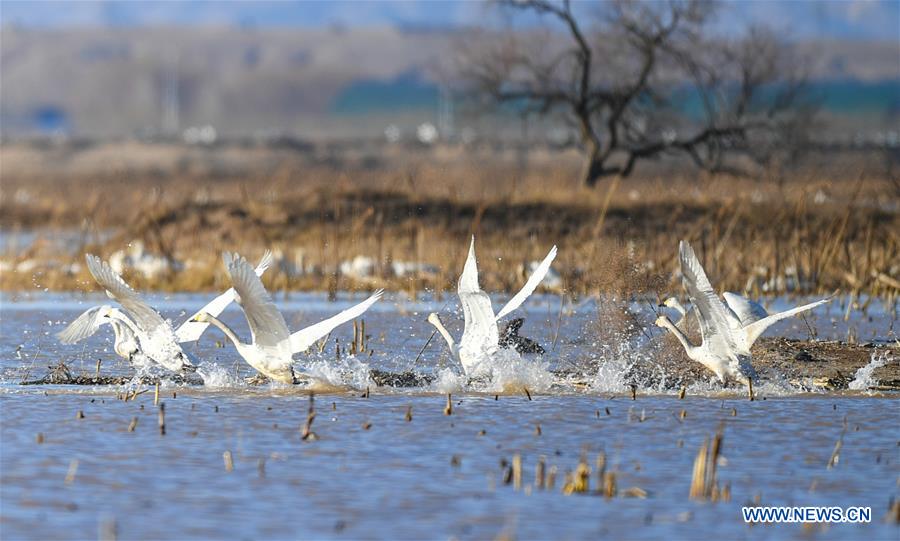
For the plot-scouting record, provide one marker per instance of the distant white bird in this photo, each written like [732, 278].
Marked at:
[272, 346]
[127, 344]
[480, 335]
[727, 331]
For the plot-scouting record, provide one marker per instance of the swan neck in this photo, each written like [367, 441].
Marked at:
[117, 329]
[121, 318]
[445, 333]
[225, 329]
[688, 347]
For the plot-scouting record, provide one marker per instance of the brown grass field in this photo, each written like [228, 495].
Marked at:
[834, 226]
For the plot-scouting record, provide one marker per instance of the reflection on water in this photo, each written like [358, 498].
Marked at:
[372, 473]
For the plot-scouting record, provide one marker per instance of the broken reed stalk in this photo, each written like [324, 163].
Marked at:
[704, 485]
[517, 471]
[448, 409]
[408, 416]
[308, 434]
[528, 394]
[836, 453]
[681, 393]
[551, 478]
[540, 472]
[580, 481]
[133, 424]
[610, 487]
[421, 351]
[162, 419]
[73, 469]
[156, 395]
[98, 367]
[229, 462]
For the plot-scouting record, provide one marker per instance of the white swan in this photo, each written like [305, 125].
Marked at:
[127, 344]
[272, 346]
[155, 335]
[719, 351]
[480, 335]
[748, 318]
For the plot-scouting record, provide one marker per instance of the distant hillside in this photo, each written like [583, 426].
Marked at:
[308, 82]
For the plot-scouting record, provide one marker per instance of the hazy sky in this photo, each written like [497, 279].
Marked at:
[801, 19]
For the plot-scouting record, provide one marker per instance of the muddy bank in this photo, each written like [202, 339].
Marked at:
[807, 365]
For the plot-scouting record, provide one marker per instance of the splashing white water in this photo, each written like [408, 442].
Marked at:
[864, 377]
[346, 372]
[509, 372]
[215, 375]
[448, 381]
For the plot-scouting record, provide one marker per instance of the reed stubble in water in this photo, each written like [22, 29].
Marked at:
[308, 434]
[704, 484]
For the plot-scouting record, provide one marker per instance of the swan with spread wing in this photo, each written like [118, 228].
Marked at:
[271, 348]
[127, 342]
[481, 337]
[747, 318]
[727, 330]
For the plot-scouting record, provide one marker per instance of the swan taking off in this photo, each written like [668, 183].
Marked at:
[272, 346]
[747, 318]
[126, 342]
[155, 335]
[127, 345]
[718, 351]
[728, 331]
[481, 337]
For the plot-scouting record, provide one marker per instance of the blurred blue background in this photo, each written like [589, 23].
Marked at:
[346, 69]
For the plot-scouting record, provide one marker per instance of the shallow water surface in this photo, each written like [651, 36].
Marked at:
[435, 476]
[373, 474]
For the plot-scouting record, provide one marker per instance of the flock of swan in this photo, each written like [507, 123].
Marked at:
[142, 336]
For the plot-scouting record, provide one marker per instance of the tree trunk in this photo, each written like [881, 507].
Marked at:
[592, 169]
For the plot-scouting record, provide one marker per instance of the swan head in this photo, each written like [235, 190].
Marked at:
[202, 317]
[663, 321]
[434, 319]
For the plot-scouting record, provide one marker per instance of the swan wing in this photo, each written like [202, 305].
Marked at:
[530, 285]
[146, 318]
[190, 331]
[755, 329]
[480, 332]
[83, 326]
[712, 314]
[266, 323]
[744, 309]
[304, 338]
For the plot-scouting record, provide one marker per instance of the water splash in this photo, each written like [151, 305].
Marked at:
[329, 375]
[864, 377]
[448, 381]
[216, 375]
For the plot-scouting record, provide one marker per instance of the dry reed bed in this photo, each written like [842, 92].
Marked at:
[799, 234]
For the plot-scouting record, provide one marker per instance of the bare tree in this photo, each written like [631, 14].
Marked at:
[639, 80]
